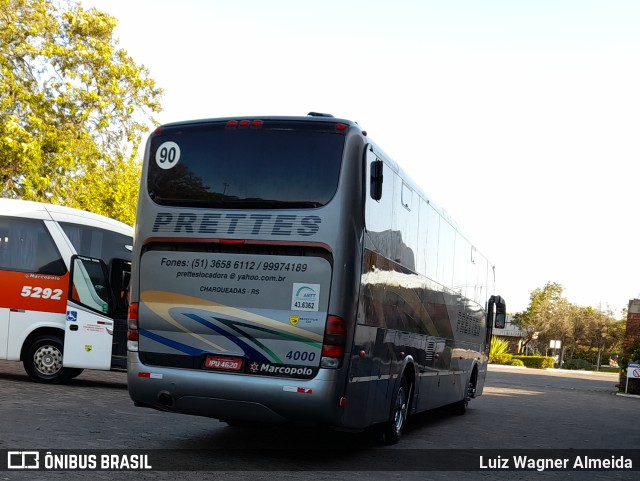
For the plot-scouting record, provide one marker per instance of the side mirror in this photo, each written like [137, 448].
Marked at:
[376, 179]
[500, 317]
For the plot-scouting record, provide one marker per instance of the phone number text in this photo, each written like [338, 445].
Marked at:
[248, 265]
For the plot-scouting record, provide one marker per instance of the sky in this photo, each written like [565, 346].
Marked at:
[520, 118]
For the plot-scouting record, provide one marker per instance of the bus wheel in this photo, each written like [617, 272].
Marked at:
[43, 360]
[392, 429]
[460, 407]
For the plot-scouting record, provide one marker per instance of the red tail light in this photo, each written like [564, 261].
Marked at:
[133, 334]
[232, 241]
[332, 351]
[256, 123]
[335, 337]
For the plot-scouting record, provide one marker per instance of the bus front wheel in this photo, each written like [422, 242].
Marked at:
[460, 408]
[43, 361]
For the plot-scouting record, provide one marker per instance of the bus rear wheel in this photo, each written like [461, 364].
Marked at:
[43, 361]
[392, 429]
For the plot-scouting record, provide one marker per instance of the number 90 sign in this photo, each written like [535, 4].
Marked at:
[167, 155]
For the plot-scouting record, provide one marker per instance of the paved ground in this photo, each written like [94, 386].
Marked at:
[524, 409]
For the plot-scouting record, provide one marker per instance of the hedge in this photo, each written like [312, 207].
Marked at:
[579, 364]
[504, 358]
[538, 362]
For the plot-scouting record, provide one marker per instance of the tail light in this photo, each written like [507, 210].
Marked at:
[255, 123]
[335, 337]
[133, 335]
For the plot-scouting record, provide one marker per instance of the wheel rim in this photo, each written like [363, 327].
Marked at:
[47, 360]
[400, 412]
[471, 389]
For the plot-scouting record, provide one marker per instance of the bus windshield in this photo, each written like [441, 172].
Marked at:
[275, 166]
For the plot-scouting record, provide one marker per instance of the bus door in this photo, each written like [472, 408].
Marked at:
[120, 277]
[88, 335]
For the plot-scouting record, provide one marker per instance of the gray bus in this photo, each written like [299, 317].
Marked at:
[286, 270]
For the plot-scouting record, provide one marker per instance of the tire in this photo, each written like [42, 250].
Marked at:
[74, 372]
[43, 361]
[392, 429]
[460, 408]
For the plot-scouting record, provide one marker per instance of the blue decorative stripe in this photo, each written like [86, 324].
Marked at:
[178, 346]
[251, 353]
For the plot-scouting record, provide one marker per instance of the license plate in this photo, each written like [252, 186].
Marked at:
[223, 363]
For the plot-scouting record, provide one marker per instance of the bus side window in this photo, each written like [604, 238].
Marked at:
[27, 246]
[98, 243]
[48, 260]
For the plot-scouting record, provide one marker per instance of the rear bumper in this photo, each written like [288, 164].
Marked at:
[235, 397]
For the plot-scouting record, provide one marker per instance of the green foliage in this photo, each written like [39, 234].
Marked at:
[631, 354]
[504, 358]
[546, 314]
[609, 369]
[499, 347]
[591, 355]
[537, 362]
[550, 316]
[577, 364]
[517, 362]
[73, 108]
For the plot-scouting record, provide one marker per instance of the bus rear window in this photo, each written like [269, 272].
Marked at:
[274, 166]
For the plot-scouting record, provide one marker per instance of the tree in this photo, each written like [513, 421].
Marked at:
[73, 108]
[547, 316]
[585, 332]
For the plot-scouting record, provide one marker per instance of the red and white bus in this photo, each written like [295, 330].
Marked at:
[64, 274]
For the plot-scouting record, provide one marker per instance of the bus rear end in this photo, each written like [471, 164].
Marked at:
[231, 313]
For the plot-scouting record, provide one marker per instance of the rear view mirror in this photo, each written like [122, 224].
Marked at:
[500, 316]
[376, 179]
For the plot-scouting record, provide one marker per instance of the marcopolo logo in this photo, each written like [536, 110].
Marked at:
[284, 370]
